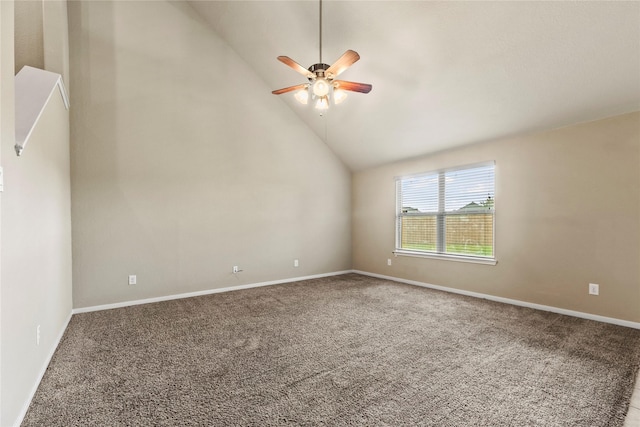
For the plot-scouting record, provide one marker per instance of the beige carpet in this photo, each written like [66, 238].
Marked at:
[340, 351]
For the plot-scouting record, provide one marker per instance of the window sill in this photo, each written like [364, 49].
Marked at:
[446, 257]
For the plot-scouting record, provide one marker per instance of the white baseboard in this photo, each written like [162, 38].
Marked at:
[205, 292]
[53, 349]
[552, 309]
[549, 308]
[43, 369]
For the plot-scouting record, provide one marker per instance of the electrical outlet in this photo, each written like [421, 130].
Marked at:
[296, 263]
[133, 279]
[594, 289]
[388, 261]
[38, 335]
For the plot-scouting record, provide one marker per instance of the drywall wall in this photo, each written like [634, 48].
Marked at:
[55, 30]
[36, 255]
[35, 219]
[29, 39]
[567, 214]
[7, 125]
[184, 164]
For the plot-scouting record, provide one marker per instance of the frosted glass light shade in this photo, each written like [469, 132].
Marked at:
[339, 95]
[320, 87]
[322, 103]
[302, 96]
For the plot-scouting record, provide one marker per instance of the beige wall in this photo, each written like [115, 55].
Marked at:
[55, 30]
[29, 39]
[36, 255]
[567, 213]
[184, 164]
[7, 131]
[35, 219]
[42, 36]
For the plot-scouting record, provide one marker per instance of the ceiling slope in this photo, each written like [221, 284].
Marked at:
[444, 74]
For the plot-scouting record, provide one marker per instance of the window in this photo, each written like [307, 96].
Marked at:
[448, 213]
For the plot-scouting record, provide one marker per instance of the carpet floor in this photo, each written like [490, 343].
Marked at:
[338, 351]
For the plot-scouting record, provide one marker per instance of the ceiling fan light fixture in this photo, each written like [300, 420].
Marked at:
[339, 95]
[321, 87]
[302, 96]
[322, 103]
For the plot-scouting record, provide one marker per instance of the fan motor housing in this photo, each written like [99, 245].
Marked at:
[318, 69]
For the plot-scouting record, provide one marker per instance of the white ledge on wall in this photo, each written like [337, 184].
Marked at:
[33, 90]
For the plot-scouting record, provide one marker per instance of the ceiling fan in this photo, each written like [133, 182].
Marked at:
[322, 85]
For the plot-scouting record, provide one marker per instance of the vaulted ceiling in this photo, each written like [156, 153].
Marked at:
[444, 74]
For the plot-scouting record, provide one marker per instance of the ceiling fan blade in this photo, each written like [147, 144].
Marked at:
[352, 86]
[345, 61]
[297, 67]
[290, 89]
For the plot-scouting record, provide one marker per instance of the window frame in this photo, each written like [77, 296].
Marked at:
[441, 215]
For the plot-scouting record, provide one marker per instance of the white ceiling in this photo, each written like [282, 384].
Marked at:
[444, 74]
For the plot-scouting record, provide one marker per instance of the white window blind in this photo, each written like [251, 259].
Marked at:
[448, 212]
